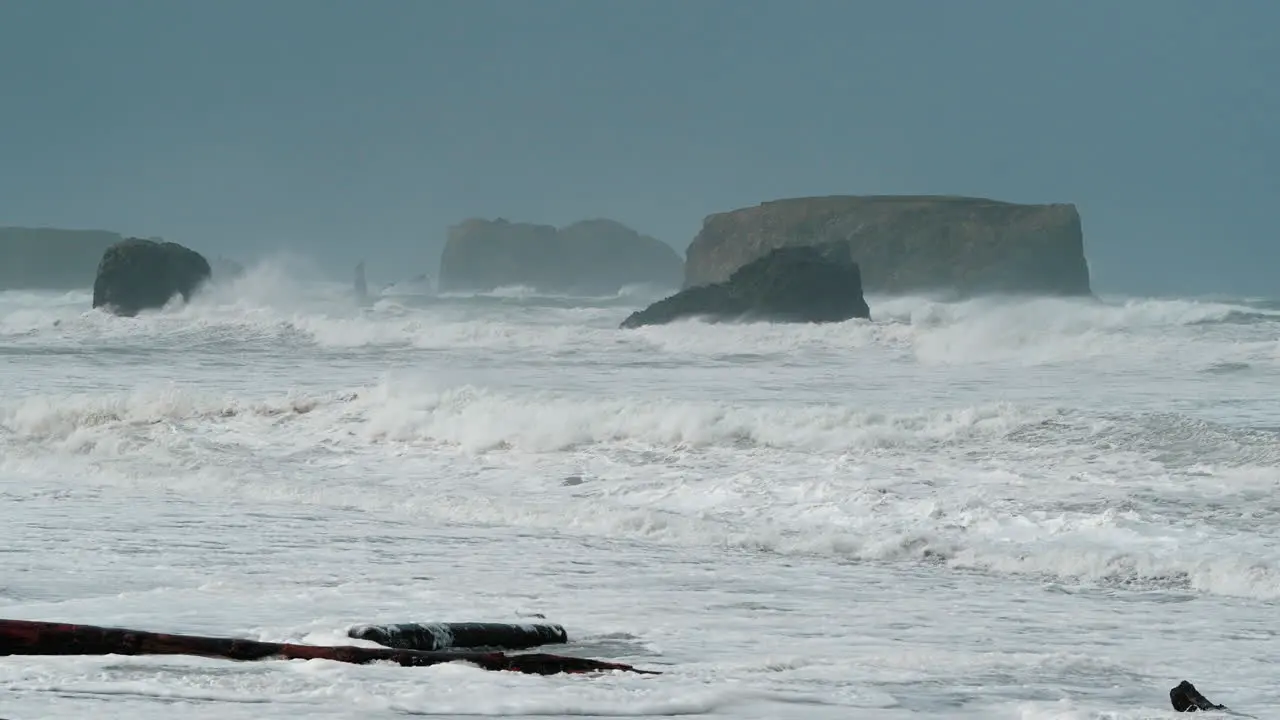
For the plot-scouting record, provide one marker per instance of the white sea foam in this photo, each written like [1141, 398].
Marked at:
[992, 508]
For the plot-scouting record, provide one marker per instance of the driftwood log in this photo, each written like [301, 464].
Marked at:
[27, 637]
[441, 636]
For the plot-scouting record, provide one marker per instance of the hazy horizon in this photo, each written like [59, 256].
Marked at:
[349, 131]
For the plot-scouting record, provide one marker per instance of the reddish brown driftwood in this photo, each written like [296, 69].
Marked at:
[27, 637]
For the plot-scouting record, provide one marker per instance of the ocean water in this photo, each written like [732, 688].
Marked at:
[990, 509]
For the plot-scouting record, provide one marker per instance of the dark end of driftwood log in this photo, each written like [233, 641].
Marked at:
[27, 637]
[1185, 698]
[441, 636]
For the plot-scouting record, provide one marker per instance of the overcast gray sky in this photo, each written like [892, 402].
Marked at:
[363, 128]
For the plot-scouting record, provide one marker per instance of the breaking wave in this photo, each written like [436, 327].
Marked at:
[1064, 440]
[271, 305]
[1142, 502]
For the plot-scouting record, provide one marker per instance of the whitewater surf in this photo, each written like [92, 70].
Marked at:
[991, 508]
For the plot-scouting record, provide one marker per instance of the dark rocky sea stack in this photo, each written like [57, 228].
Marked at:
[136, 275]
[805, 283]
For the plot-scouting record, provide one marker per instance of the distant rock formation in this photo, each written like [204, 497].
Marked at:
[804, 283]
[418, 285]
[905, 244]
[50, 258]
[225, 268]
[136, 275]
[360, 286]
[592, 257]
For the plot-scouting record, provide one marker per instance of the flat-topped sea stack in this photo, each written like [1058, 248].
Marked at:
[592, 257]
[51, 258]
[945, 245]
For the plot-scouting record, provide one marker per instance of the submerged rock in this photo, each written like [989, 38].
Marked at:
[442, 636]
[136, 275]
[805, 283]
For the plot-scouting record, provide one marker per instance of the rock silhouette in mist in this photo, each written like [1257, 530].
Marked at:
[957, 246]
[51, 258]
[361, 285]
[591, 257]
[136, 275]
[223, 268]
[804, 283]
